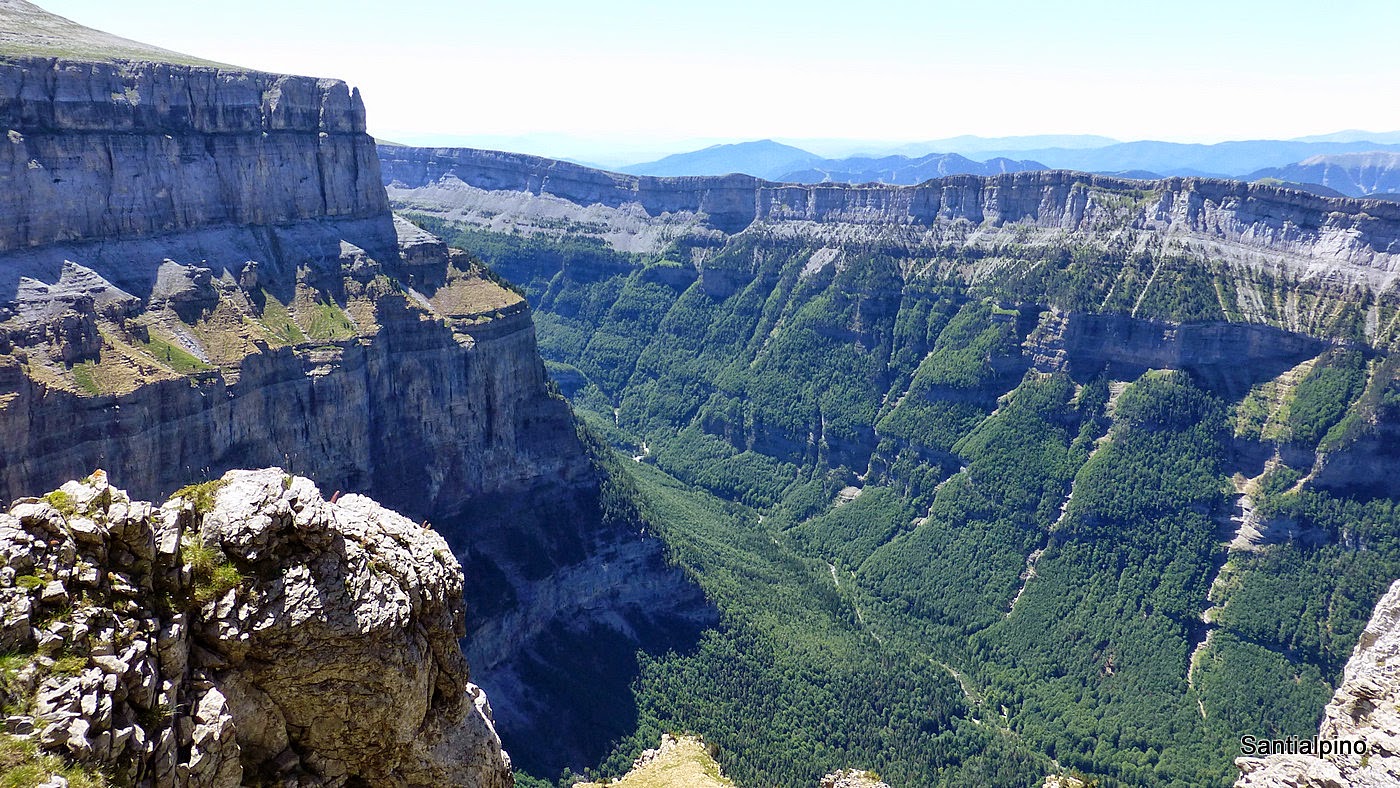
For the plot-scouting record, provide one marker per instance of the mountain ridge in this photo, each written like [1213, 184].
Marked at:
[1230, 159]
[1360, 174]
[1355, 233]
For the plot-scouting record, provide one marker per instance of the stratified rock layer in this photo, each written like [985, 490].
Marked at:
[199, 272]
[248, 631]
[1365, 708]
[131, 149]
[1252, 224]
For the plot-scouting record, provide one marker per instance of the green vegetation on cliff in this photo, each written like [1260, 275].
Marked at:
[939, 522]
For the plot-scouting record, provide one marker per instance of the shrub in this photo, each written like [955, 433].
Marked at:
[202, 495]
[63, 502]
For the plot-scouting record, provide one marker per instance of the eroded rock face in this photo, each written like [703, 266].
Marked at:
[248, 631]
[238, 147]
[1251, 224]
[1365, 708]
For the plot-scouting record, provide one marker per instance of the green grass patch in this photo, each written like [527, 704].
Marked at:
[29, 582]
[69, 665]
[173, 356]
[211, 573]
[328, 321]
[23, 766]
[83, 376]
[224, 578]
[14, 662]
[202, 495]
[63, 502]
[278, 320]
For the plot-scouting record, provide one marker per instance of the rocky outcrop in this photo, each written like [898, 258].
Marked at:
[1229, 356]
[199, 272]
[852, 778]
[246, 632]
[1356, 241]
[1361, 725]
[424, 389]
[677, 761]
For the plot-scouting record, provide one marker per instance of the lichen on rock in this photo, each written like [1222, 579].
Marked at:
[263, 635]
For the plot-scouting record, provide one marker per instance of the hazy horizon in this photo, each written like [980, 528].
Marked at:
[628, 79]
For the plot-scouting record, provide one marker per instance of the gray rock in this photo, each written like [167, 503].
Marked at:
[53, 593]
[1365, 708]
[180, 286]
[335, 658]
[19, 725]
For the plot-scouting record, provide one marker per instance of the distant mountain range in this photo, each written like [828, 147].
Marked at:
[778, 162]
[1355, 167]
[903, 170]
[761, 158]
[1373, 173]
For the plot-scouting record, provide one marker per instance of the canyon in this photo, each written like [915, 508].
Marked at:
[968, 482]
[943, 397]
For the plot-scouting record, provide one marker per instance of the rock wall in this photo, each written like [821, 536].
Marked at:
[246, 632]
[1365, 709]
[1355, 240]
[199, 272]
[1230, 357]
[132, 149]
[424, 409]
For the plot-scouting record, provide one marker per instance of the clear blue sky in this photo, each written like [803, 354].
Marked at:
[639, 72]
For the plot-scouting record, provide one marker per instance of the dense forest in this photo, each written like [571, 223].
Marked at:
[938, 554]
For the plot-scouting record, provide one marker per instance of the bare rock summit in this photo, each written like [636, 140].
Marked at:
[248, 631]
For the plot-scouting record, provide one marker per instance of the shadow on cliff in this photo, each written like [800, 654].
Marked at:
[564, 586]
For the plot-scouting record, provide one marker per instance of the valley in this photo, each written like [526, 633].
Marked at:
[966, 353]
[485, 469]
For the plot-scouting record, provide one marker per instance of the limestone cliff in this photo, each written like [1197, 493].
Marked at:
[246, 632]
[1236, 283]
[199, 272]
[1365, 708]
[1348, 240]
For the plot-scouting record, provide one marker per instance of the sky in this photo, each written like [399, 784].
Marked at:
[657, 76]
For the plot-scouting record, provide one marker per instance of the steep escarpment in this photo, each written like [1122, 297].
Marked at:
[1359, 726]
[237, 147]
[199, 272]
[247, 631]
[1233, 282]
[1354, 240]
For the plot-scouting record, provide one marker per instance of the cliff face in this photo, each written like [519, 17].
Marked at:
[248, 631]
[83, 139]
[1365, 710]
[199, 272]
[121, 150]
[1235, 221]
[1236, 283]
[427, 408]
